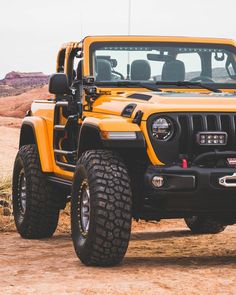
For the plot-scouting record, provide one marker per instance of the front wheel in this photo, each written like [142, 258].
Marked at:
[204, 225]
[101, 208]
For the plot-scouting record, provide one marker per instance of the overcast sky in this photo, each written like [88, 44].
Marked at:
[32, 31]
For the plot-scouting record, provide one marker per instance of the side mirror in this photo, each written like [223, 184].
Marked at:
[58, 84]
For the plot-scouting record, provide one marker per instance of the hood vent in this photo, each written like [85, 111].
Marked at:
[128, 110]
[140, 96]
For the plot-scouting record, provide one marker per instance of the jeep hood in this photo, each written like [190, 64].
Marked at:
[152, 102]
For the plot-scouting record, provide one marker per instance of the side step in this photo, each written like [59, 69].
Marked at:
[59, 181]
[59, 127]
[66, 166]
[65, 153]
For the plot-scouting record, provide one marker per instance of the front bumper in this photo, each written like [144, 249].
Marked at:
[192, 189]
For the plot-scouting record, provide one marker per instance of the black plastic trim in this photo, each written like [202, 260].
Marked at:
[28, 123]
[173, 182]
[59, 181]
[206, 182]
[202, 196]
[128, 110]
[213, 155]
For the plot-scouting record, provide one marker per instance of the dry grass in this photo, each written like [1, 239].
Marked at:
[5, 186]
[64, 220]
[6, 222]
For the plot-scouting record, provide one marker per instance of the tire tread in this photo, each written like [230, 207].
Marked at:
[204, 225]
[109, 182]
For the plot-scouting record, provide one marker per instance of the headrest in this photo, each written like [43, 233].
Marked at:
[140, 70]
[173, 71]
[103, 70]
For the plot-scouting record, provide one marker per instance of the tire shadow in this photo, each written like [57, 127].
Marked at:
[141, 236]
[159, 252]
[190, 261]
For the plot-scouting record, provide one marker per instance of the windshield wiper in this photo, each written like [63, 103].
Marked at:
[149, 86]
[188, 84]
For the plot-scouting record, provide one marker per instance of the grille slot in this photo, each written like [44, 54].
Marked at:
[183, 144]
[197, 123]
[212, 123]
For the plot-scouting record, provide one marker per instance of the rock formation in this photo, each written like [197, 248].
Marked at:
[16, 83]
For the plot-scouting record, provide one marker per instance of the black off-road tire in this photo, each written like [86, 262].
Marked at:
[204, 225]
[38, 217]
[107, 238]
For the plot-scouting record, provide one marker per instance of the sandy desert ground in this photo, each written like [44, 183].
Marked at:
[9, 138]
[163, 258]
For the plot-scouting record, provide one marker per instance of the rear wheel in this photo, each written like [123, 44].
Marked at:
[101, 208]
[204, 225]
[35, 206]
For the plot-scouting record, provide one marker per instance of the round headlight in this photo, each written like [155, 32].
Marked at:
[162, 128]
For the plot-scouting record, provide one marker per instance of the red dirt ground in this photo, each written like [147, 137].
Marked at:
[16, 106]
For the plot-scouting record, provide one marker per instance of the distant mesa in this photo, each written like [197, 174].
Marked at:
[16, 83]
[17, 75]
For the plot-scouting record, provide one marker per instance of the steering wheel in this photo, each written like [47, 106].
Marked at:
[118, 74]
[201, 78]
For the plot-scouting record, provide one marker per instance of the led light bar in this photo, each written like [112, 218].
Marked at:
[119, 135]
[212, 138]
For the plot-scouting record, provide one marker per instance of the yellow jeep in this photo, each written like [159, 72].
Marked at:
[139, 127]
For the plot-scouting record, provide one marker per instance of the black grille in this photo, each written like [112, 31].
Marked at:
[190, 124]
[187, 125]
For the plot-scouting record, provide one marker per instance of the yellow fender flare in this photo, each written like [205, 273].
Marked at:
[39, 129]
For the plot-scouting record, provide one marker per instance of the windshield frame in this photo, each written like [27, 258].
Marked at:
[97, 44]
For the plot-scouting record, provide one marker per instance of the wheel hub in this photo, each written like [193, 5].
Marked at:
[22, 191]
[85, 207]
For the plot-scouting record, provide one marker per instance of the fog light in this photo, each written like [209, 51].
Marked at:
[158, 181]
[211, 138]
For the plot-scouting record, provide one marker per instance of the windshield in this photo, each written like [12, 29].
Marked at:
[163, 62]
